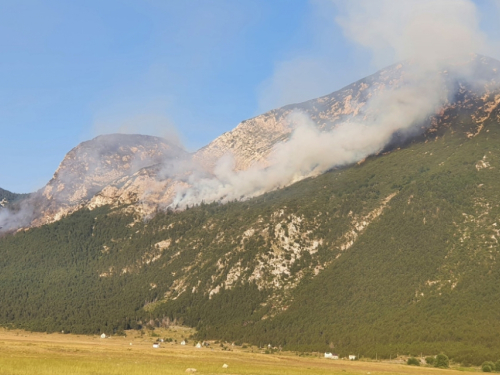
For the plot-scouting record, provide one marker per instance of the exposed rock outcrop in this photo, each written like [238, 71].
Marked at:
[147, 172]
[95, 165]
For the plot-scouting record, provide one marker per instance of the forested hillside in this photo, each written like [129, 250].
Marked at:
[7, 196]
[397, 254]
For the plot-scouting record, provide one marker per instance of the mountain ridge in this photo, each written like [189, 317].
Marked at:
[397, 253]
[7, 197]
[252, 141]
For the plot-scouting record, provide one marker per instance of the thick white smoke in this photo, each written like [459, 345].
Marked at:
[431, 34]
[20, 216]
[427, 34]
[430, 30]
[310, 152]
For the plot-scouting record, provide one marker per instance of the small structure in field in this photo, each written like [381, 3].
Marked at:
[352, 357]
[198, 345]
[183, 342]
[103, 336]
[156, 346]
[225, 366]
[331, 355]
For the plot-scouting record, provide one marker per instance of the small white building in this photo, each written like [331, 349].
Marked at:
[352, 357]
[183, 342]
[156, 346]
[331, 355]
[198, 345]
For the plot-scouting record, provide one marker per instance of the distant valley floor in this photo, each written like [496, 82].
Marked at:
[22, 352]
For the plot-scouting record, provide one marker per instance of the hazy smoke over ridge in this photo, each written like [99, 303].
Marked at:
[13, 219]
[429, 30]
[429, 35]
[433, 34]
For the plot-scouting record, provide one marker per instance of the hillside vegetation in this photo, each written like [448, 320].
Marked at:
[396, 255]
[7, 196]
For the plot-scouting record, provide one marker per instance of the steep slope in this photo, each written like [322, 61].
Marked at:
[252, 140]
[9, 202]
[95, 164]
[7, 197]
[397, 254]
[474, 94]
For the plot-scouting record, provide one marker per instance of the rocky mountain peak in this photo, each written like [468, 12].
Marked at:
[94, 164]
[252, 140]
[148, 171]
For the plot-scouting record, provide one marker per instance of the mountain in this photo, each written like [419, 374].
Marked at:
[94, 165]
[7, 197]
[10, 203]
[154, 180]
[394, 254]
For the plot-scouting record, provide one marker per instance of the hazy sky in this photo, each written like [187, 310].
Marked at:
[193, 69]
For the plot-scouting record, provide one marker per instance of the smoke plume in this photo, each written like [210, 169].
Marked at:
[430, 35]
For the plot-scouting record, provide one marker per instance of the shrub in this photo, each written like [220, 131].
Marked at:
[497, 365]
[412, 361]
[442, 361]
[488, 366]
[430, 360]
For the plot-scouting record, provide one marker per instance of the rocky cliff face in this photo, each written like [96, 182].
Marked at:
[252, 140]
[147, 171]
[94, 165]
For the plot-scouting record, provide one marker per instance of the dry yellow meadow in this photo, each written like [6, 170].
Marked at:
[50, 354]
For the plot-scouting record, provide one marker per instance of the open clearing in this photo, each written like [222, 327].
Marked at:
[39, 353]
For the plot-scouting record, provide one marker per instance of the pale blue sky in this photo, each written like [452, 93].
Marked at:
[70, 70]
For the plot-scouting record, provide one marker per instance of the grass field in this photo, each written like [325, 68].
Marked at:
[40, 353]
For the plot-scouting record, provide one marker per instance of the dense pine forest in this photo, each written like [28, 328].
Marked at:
[394, 255]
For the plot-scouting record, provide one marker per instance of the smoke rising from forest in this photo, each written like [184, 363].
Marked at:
[430, 35]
